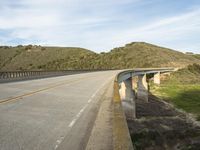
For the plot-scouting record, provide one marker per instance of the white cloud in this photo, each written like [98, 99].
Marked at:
[97, 25]
[168, 31]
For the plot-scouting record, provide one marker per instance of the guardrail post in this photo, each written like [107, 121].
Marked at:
[14, 74]
[1, 75]
[17, 74]
[9, 75]
[128, 98]
[5, 75]
[156, 78]
[142, 91]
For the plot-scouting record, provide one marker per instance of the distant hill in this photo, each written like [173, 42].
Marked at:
[37, 57]
[186, 75]
[197, 56]
[140, 54]
[136, 54]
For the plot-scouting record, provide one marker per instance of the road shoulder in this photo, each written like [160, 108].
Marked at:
[101, 135]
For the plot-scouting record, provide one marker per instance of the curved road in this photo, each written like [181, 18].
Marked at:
[43, 114]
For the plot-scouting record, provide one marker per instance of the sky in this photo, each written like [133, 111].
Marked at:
[101, 25]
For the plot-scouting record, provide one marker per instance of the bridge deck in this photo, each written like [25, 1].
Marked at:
[40, 114]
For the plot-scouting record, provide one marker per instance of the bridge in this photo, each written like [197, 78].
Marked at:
[70, 109]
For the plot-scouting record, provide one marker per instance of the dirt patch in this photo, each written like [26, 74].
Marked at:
[160, 127]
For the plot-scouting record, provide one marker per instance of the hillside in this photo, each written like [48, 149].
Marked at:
[147, 55]
[197, 56]
[136, 54]
[182, 88]
[35, 57]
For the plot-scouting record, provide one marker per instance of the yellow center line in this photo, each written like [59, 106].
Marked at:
[37, 91]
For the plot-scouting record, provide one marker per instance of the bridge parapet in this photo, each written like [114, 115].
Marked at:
[126, 91]
[7, 76]
[124, 101]
[135, 72]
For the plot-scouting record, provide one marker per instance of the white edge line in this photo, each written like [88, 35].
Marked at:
[72, 123]
[81, 111]
[98, 90]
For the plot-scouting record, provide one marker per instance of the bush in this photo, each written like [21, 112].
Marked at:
[195, 68]
[19, 46]
[43, 48]
[28, 47]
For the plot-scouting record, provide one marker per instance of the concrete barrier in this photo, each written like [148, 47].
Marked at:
[142, 88]
[127, 92]
[121, 135]
[9, 76]
[123, 93]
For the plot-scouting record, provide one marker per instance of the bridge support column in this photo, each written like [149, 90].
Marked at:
[134, 83]
[142, 91]
[128, 98]
[157, 78]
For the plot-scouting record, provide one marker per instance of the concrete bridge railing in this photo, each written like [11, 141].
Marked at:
[126, 83]
[6, 76]
[124, 101]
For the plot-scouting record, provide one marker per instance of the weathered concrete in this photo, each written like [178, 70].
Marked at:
[135, 72]
[128, 98]
[101, 137]
[142, 91]
[121, 136]
[157, 78]
[134, 83]
[10, 76]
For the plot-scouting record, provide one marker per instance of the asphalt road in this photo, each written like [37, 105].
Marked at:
[44, 114]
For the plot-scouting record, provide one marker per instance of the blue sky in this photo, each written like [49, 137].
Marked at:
[101, 25]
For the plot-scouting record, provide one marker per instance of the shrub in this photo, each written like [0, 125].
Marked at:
[195, 68]
[28, 47]
[43, 48]
[19, 46]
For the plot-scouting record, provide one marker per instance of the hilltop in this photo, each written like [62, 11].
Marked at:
[140, 54]
[136, 54]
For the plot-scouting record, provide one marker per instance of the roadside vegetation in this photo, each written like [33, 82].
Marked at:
[182, 89]
[133, 55]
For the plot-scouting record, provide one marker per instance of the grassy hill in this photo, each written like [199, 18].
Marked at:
[36, 57]
[182, 89]
[136, 54]
[147, 55]
[197, 56]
